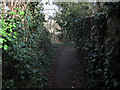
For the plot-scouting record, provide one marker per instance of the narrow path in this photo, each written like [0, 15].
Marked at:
[66, 71]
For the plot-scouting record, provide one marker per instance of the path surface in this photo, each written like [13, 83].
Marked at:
[66, 71]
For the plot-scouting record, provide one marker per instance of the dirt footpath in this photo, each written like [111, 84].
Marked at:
[66, 71]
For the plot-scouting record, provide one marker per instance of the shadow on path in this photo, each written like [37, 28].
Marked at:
[66, 71]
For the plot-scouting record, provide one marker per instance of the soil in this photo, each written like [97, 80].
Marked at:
[66, 71]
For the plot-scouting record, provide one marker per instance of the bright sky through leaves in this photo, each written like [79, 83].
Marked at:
[49, 8]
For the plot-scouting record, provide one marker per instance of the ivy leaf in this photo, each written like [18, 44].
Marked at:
[13, 13]
[5, 47]
[22, 13]
[1, 46]
[11, 30]
[15, 33]
[14, 25]
[14, 37]
[1, 40]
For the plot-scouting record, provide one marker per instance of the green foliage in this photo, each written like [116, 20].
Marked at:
[100, 50]
[69, 12]
[27, 52]
[95, 41]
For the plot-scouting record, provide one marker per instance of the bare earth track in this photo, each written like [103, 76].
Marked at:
[66, 71]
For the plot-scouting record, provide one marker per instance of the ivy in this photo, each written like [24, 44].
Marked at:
[91, 41]
[26, 50]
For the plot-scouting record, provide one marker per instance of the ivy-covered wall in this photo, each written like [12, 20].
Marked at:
[98, 41]
[26, 51]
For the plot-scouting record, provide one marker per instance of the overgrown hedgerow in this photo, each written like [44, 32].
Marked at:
[27, 52]
[101, 46]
